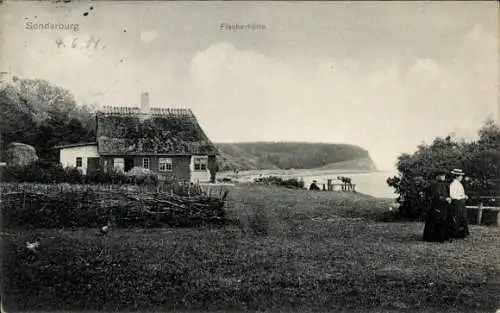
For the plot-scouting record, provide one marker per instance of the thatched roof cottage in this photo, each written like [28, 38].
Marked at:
[167, 141]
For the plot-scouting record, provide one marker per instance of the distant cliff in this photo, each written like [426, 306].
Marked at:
[292, 155]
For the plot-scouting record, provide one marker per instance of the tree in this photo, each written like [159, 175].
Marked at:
[479, 159]
[43, 115]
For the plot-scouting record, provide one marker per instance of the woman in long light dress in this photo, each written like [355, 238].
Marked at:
[459, 221]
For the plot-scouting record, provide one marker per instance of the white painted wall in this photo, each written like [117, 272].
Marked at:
[199, 176]
[68, 156]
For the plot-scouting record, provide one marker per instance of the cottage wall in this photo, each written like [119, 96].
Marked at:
[207, 175]
[68, 155]
[180, 165]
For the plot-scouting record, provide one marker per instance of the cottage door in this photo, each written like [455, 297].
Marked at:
[129, 164]
[92, 164]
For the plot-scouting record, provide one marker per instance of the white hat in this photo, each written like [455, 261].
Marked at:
[457, 171]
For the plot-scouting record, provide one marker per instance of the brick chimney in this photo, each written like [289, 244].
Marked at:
[145, 103]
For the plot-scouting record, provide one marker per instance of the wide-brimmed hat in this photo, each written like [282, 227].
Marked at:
[458, 172]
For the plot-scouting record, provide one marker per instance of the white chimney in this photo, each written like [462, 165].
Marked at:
[5, 77]
[145, 103]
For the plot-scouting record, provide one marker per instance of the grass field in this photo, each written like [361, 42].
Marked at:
[291, 251]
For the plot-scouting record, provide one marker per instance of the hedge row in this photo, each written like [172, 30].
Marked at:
[274, 180]
[48, 172]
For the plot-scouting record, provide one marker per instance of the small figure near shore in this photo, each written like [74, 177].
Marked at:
[314, 185]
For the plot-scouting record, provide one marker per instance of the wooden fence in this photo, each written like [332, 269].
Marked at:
[330, 186]
[65, 205]
[481, 208]
[181, 189]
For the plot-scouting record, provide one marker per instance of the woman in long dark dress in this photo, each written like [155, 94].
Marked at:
[437, 221]
[459, 221]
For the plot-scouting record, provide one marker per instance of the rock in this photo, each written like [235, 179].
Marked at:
[20, 154]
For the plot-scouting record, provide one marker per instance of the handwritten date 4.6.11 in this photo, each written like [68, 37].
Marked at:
[80, 43]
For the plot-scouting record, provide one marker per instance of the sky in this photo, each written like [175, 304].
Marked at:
[383, 75]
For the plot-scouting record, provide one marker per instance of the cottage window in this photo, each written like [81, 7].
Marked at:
[165, 165]
[145, 163]
[200, 164]
[78, 162]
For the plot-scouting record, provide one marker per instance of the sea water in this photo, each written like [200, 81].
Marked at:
[373, 183]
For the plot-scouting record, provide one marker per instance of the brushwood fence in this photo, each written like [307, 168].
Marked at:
[179, 189]
[65, 205]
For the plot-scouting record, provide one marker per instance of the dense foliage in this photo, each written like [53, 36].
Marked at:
[287, 155]
[279, 181]
[42, 115]
[479, 159]
[46, 172]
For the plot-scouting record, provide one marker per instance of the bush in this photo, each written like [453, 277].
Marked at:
[479, 159]
[73, 175]
[101, 176]
[39, 171]
[140, 176]
[49, 172]
[274, 180]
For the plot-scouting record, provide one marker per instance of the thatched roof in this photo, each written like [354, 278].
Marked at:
[74, 145]
[126, 131]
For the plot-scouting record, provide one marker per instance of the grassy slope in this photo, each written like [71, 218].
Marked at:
[293, 249]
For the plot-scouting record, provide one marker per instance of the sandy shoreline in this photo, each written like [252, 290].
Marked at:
[251, 174]
[368, 182]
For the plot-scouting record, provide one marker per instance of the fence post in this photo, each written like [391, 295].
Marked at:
[24, 199]
[479, 213]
